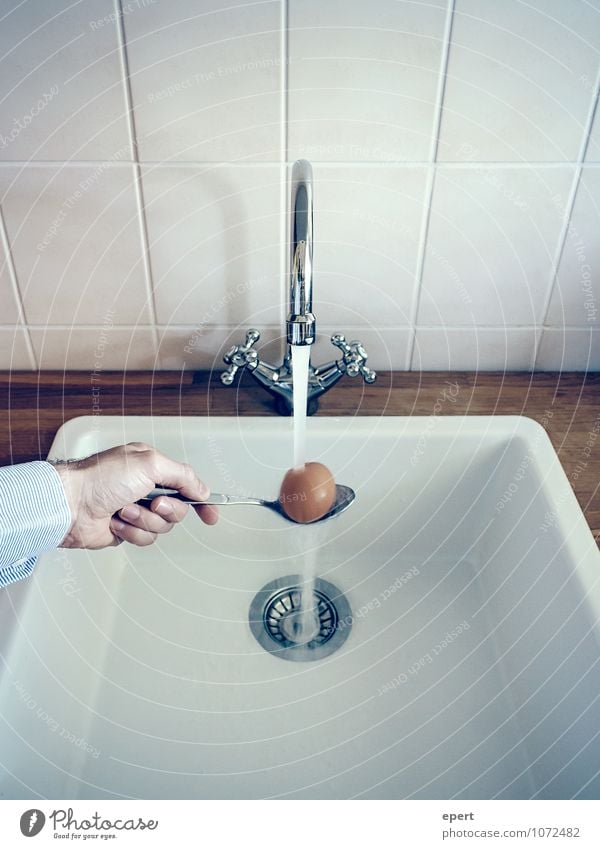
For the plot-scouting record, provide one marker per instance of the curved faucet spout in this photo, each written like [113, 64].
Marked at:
[301, 325]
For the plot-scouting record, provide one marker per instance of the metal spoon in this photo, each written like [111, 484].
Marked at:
[344, 496]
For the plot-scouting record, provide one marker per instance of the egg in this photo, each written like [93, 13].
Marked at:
[307, 493]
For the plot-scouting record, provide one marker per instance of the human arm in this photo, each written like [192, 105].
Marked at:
[34, 516]
[110, 483]
[89, 503]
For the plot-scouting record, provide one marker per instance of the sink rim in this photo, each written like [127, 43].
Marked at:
[567, 512]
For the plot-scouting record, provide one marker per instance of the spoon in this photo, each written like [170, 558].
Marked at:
[344, 496]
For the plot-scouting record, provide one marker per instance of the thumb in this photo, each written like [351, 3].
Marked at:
[180, 476]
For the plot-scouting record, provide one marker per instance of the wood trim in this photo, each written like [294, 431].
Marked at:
[35, 404]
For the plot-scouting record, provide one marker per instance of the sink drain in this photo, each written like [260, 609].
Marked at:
[282, 627]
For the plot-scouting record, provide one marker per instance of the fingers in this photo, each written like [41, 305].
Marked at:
[131, 534]
[181, 476]
[171, 509]
[161, 516]
[141, 526]
[208, 513]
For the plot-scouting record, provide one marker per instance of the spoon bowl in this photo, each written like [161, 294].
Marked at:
[344, 496]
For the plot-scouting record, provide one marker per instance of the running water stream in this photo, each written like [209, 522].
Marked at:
[305, 534]
[300, 369]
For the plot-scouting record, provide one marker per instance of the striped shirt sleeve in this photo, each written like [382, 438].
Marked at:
[34, 516]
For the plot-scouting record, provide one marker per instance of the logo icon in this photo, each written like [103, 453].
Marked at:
[32, 822]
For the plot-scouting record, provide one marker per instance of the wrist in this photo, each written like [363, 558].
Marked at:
[68, 471]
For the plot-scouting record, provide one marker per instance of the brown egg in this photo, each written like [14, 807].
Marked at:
[307, 493]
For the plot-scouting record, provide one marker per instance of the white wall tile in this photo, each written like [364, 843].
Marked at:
[493, 236]
[387, 347]
[9, 313]
[207, 85]
[14, 354]
[61, 82]
[93, 349]
[367, 226]
[75, 239]
[363, 79]
[518, 85]
[206, 80]
[474, 349]
[569, 349]
[592, 153]
[214, 236]
[194, 347]
[576, 295]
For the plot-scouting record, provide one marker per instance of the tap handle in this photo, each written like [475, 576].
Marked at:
[239, 356]
[355, 358]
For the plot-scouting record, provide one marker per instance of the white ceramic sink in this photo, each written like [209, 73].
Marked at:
[472, 666]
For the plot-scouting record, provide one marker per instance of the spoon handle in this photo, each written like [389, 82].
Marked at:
[215, 498]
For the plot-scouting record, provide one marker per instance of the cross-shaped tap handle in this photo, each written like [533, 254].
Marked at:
[355, 357]
[239, 356]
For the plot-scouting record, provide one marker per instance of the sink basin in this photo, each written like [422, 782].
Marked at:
[470, 669]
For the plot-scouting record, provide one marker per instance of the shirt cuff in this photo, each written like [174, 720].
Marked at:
[34, 516]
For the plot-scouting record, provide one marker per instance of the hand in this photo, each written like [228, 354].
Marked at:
[106, 484]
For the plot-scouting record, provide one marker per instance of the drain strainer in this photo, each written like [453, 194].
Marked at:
[283, 627]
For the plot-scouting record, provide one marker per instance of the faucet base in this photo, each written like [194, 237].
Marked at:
[285, 407]
[277, 380]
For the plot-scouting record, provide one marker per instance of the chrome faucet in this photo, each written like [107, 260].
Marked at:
[301, 323]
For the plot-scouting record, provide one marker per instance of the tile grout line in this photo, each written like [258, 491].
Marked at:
[380, 328]
[430, 183]
[285, 46]
[283, 171]
[563, 236]
[139, 194]
[466, 165]
[560, 247]
[14, 281]
[420, 265]
[440, 94]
